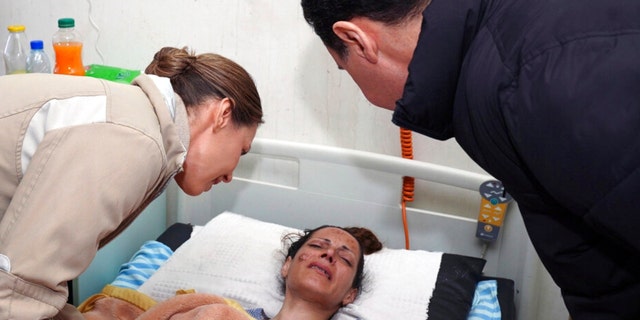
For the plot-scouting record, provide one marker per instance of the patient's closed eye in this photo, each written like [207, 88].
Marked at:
[348, 261]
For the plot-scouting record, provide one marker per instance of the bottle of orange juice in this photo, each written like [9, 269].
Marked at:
[67, 46]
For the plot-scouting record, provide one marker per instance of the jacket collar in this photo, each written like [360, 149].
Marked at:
[172, 117]
[447, 29]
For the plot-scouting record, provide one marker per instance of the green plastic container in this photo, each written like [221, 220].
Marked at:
[112, 73]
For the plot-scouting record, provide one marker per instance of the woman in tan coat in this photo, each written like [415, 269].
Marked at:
[81, 157]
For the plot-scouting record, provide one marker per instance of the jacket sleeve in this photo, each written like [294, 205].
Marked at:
[81, 184]
[575, 124]
[593, 274]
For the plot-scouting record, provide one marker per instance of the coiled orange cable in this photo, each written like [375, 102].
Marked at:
[408, 183]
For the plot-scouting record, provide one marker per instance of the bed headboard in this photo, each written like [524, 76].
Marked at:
[302, 186]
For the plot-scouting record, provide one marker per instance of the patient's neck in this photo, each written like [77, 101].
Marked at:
[295, 310]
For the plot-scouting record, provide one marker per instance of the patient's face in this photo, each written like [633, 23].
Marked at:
[324, 268]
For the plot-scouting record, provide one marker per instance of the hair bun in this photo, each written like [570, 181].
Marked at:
[169, 62]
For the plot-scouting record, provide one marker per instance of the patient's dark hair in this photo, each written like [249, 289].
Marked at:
[367, 241]
[322, 14]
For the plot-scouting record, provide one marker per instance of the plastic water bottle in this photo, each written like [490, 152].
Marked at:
[38, 61]
[16, 50]
[67, 45]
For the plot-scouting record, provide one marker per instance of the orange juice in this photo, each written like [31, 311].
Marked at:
[68, 58]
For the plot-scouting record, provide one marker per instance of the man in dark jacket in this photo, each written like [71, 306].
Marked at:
[544, 95]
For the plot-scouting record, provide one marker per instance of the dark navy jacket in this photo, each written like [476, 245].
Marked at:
[545, 96]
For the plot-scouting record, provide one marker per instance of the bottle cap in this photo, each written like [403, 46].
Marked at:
[66, 23]
[16, 28]
[36, 44]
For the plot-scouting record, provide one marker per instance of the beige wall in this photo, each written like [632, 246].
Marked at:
[306, 98]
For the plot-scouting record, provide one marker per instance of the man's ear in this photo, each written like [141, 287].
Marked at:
[357, 40]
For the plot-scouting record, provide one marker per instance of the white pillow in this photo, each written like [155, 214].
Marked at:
[240, 258]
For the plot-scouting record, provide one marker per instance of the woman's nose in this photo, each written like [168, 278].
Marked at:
[227, 178]
[329, 256]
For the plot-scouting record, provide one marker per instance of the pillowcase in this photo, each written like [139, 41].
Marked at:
[238, 257]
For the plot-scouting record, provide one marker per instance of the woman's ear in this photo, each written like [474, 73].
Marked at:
[221, 113]
[284, 271]
[350, 297]
[357, 40]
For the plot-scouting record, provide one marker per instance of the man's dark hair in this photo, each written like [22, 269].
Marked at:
[322, 14]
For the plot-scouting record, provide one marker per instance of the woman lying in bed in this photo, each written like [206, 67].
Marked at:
[322, 272]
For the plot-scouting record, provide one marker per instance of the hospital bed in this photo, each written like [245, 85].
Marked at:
[294, 185]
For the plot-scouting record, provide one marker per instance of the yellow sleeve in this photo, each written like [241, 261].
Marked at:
[134, 297]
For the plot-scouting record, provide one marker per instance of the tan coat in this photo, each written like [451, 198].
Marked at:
[80, 158]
